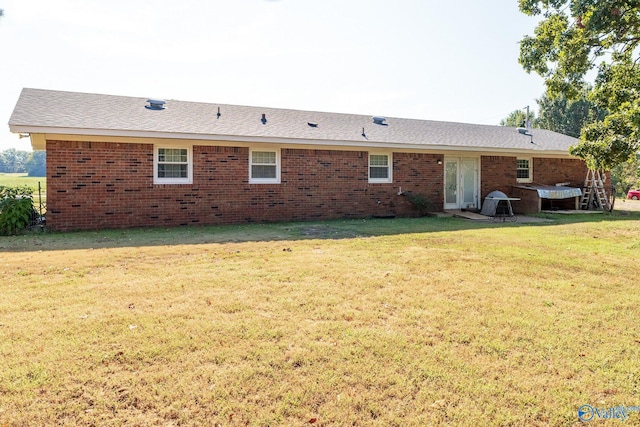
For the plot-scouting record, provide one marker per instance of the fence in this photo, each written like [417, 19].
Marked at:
[38, 218]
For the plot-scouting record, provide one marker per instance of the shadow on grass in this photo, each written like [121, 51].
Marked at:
[318, 230]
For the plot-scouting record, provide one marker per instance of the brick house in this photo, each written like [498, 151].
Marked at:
[116, 162]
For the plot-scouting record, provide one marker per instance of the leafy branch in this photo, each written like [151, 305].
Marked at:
[16, 209]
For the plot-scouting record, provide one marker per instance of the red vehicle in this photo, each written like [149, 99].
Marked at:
[633, 194]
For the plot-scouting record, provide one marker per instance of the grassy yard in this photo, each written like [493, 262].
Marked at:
[22, 179]
[403, 322]
[19, 179]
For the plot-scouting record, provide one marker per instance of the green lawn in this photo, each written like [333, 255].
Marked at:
[401, 322]
[19, 179]
[22, 179]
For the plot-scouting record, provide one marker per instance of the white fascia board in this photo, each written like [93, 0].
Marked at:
[367, 145]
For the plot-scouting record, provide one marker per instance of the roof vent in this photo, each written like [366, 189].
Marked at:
[155, 104]
[312, 124]
[379, 120]
[264, 119]
[525, 131]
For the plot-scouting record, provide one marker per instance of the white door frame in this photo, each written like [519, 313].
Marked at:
[455, 192]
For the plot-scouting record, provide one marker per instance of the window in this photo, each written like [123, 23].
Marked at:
[264, 167]
[172, 165]
[380, 168]
[524, 170]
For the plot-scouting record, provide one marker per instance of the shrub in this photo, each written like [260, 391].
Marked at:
[16, 209]
[420, 202]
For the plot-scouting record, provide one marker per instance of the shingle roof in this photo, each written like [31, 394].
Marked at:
[47, 111]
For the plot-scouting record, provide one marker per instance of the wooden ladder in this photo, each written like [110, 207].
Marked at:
[594, 194]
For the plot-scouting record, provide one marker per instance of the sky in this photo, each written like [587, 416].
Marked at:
[423, 59]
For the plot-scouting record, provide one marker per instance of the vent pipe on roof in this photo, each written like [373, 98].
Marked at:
[155, 104]
[218, 115]
[264, 119]
[525, 131]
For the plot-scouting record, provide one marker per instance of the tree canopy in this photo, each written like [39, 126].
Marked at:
[558, 114]
[518, 118]
[577, 40]
[568, 116]
[18, 161]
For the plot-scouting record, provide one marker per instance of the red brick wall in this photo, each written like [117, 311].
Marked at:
[94, 185]
[97, 185]
[420, 174]
[554, 171]
[497, 173]
[109, 185]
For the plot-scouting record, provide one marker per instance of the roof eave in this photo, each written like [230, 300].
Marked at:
[39, 135]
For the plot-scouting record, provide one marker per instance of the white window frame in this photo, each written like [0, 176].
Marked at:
[156, 155]
[530, 169]
[253, 180]
[389, 177]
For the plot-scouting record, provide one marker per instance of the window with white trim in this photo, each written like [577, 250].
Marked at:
[524, 170]
[380, 168]
[264, 166]
[172, 164]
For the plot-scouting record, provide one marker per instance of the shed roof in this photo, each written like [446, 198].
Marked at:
[41, 111]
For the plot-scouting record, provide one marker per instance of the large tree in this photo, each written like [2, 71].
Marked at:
[568, 116]
[13, 161]
[626, 176]
[576, 37]
[36, 163]
[518, 118]
[558, 114]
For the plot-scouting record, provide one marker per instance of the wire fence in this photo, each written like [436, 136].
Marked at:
[38, 216]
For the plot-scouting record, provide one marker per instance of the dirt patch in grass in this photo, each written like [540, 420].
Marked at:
[327, 232]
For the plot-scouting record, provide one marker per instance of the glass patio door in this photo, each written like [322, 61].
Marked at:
[461, 183]
[451, 184]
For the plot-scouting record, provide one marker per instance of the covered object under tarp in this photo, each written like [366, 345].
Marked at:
[535, 197]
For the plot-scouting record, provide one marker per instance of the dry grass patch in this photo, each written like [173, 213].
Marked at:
[339, 323]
